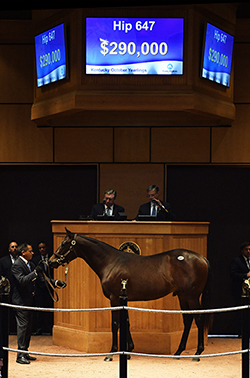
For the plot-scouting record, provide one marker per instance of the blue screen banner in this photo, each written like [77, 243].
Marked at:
[140, 46]
[218, 52]
[50, 55]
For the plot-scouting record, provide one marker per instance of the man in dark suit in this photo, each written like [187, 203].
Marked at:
[240, 271]
[108, 208]
[6, 263]
[43, 297]
[24, 275]
[155, 207]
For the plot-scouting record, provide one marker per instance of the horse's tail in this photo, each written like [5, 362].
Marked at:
[207, 300]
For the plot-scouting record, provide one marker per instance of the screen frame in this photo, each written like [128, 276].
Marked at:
[138, 74]
[66, 55]
[203, 56]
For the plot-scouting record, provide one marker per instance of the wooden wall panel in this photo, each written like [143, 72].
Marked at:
[242, 76]
[131, 182]
[16, 79]
[181, 144]
[231, 144]
[84, 144]
[20, 139]
[132, 144]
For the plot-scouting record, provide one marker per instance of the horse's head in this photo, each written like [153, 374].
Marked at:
[65, 252]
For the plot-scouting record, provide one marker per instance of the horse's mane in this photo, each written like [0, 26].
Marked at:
[98, 242]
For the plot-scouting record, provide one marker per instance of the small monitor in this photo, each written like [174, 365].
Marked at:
[150, 218]
[50, 47]
[105, 217]
[217, 55]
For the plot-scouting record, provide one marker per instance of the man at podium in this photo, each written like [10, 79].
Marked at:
[155, 209]
[108, 209]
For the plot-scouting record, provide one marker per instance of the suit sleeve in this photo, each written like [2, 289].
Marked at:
[92, 213]
[166, 215]
[21, 278]
[236, 271]
[140, 212]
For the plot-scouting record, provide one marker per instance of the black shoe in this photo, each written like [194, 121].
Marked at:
[30, 358]
[22, 360]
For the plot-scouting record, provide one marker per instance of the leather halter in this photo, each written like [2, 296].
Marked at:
[64, 259]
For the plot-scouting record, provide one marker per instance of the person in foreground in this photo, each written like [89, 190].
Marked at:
[155, 207]
[25, 274]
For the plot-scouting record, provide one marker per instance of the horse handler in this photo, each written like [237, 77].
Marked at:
[25, 273]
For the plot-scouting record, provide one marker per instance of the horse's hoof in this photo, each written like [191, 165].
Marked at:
[196, 359]
[108, 358]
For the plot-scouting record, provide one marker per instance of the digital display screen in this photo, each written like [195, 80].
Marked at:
[134, 46]
[217, 58]
[50, 56]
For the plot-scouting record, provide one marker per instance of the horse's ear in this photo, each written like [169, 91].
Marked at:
[69, 233]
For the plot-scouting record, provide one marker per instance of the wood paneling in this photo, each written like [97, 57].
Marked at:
[131, 182]
[16, 31]
[84, 144]
[242, 74]
[16, 79]
[20, 139]
[132, 144]
[180, 144]
[91, 331]
[231, 144]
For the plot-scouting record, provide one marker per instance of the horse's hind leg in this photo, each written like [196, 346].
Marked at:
[187, 320]
[200, 325]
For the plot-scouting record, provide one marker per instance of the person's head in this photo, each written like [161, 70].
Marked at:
[13, 249]
[26, 251]
[153, 192]
[245, 249]
[42, 247]
[109, 197]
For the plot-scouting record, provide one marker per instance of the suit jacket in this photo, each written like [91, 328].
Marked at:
[24, 283]
[238, 272]
[99, 209]
[162, 215]
[40, 284]
[5, 270]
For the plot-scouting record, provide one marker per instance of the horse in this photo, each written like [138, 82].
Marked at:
[179, 271]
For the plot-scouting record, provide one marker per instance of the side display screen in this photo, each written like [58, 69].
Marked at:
[217, 56]
[50, 56]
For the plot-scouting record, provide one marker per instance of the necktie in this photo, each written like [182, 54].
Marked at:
[154, 210]
[28, 265]
[108, 211]
[248, 263]
[45, 265]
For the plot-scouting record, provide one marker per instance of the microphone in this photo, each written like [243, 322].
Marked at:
[104, 200]
[159, 204]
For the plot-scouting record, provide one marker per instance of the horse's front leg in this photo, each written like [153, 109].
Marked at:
[114, 327]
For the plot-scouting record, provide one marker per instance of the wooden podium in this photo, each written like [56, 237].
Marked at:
[90, 332]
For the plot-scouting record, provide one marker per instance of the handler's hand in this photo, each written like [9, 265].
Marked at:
[61, 284]
[40, 267]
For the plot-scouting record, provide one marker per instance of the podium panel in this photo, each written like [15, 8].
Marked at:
[90, 332]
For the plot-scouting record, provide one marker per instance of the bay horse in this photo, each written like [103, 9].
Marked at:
[179, 271]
